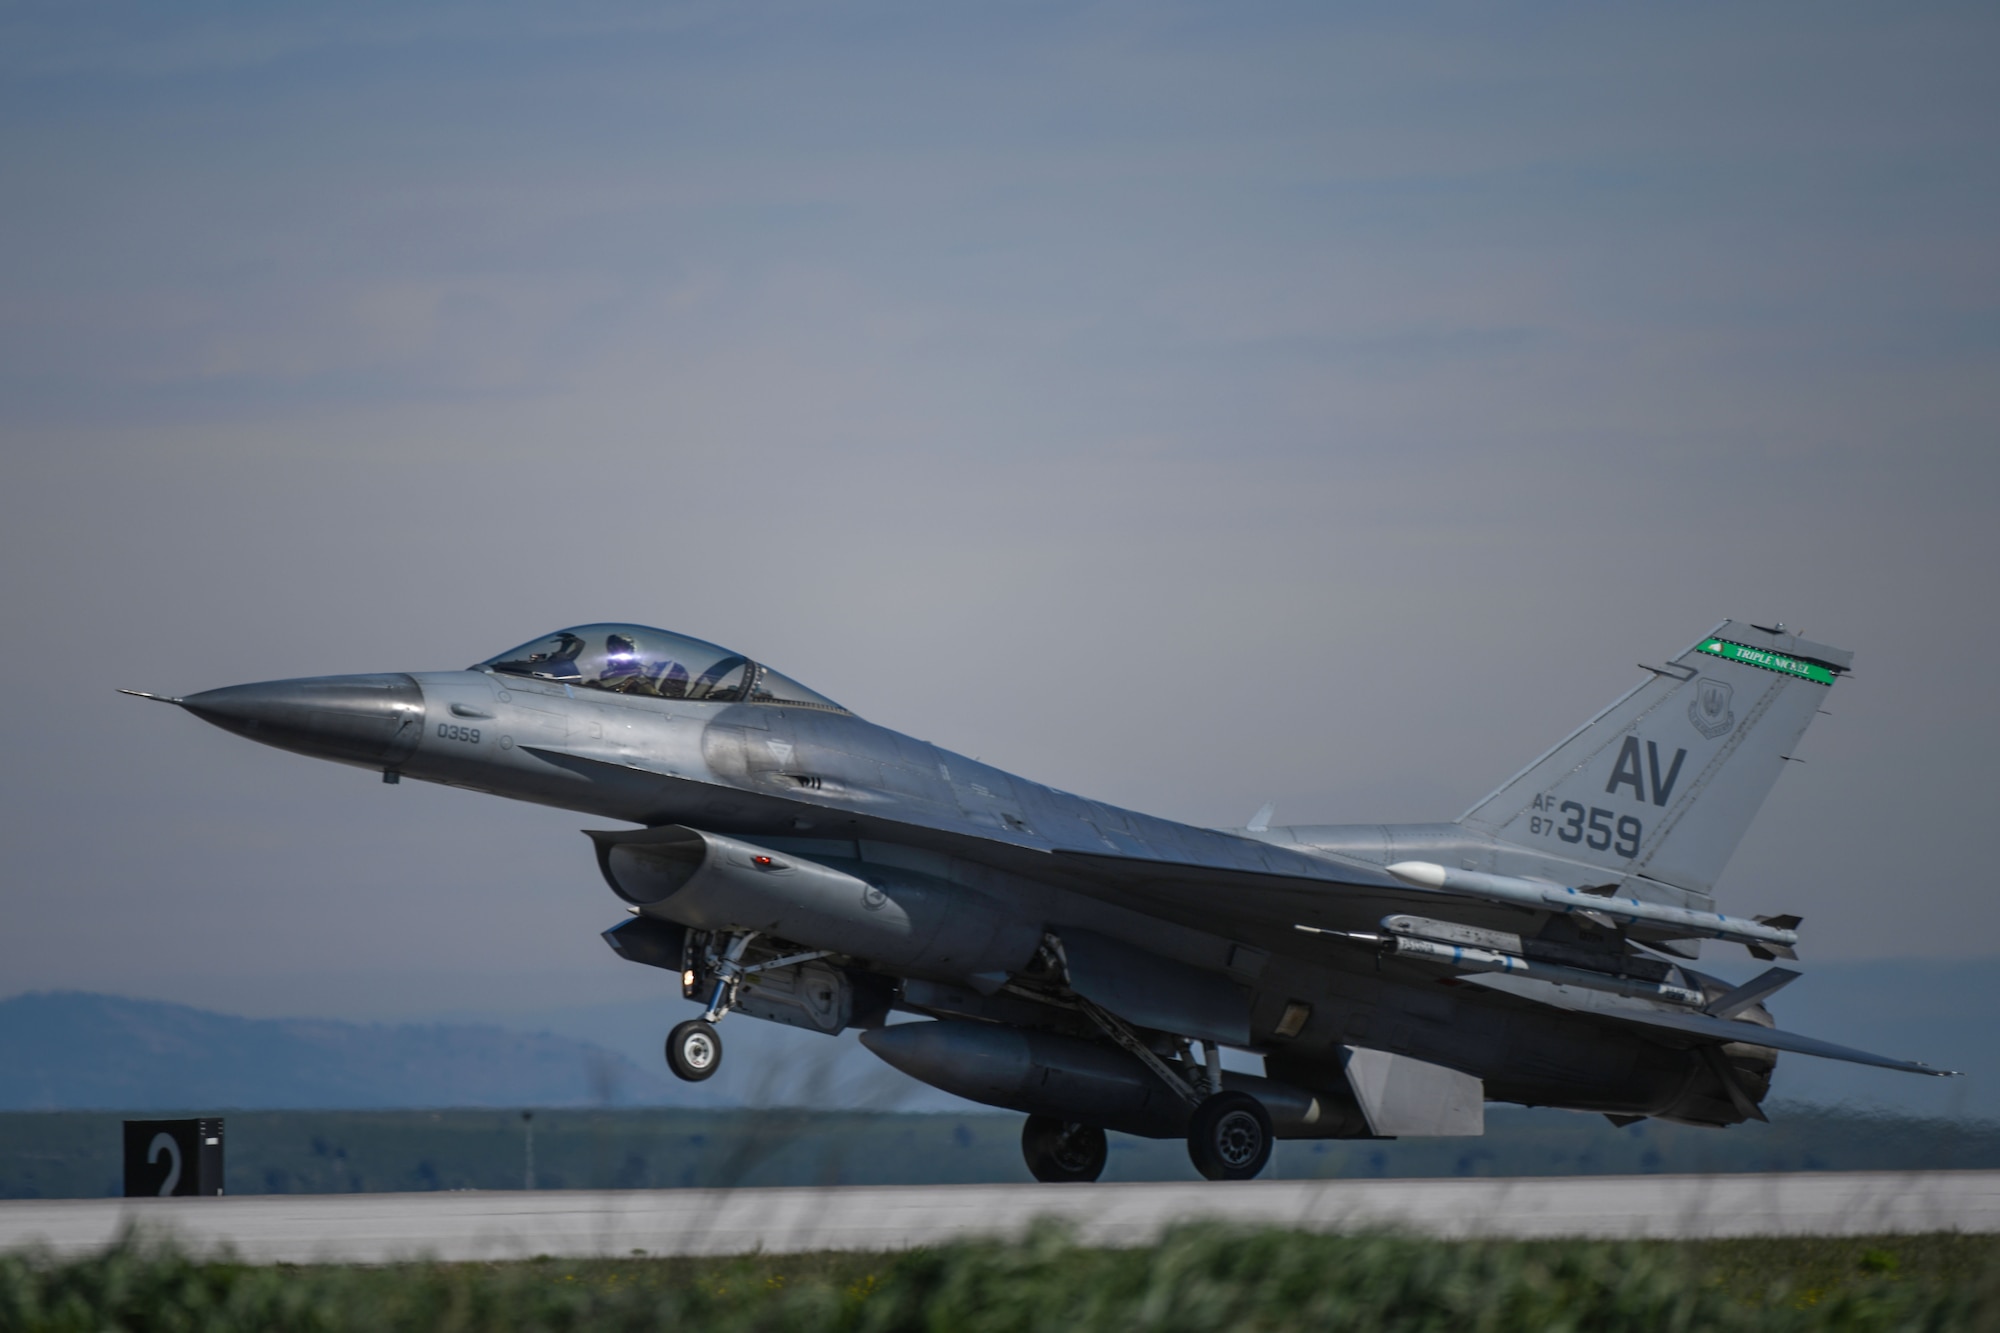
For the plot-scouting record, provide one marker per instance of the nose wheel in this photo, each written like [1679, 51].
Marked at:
[694, 1050]
[1230, 1136]
[1060, 1151]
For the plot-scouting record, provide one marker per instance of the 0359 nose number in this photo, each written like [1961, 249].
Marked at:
[449, 731]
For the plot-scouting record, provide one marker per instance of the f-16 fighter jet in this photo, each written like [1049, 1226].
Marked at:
[1087, 965]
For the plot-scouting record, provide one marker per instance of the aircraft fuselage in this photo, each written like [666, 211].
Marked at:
[827, 785]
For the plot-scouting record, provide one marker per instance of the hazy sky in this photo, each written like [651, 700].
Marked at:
[1186, 405]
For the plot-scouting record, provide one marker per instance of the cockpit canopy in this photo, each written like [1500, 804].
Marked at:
[633, 659]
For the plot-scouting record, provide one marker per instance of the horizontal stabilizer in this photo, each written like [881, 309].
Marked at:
[1703, 1026]
[1754, 991]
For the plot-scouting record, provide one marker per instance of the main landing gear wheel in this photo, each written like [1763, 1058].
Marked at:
[1230, 1136]
[1059, 1151]
[694, 1049]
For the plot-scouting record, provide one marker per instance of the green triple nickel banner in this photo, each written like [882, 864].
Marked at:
[1770, 661]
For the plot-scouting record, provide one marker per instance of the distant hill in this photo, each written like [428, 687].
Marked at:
[69, 1050]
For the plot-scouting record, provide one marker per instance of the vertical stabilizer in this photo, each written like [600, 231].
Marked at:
[1664, 782]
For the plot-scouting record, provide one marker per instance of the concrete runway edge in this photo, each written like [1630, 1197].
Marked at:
[477, 1225]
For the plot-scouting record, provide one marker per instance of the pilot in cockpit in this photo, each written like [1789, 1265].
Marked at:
[626, 671]
[623, 671]
[636, 660]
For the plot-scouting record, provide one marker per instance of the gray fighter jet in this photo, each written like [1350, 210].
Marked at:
[1086, 964]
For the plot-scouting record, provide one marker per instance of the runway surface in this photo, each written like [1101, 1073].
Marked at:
[463, 1225]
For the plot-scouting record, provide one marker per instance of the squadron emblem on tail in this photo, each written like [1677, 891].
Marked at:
[1709, 709]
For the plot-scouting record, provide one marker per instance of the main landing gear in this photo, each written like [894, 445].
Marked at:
[1061, 1151]
[1230, 1136]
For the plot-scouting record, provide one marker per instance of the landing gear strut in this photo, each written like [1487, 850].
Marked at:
[1230, 1133]
[1060, 1151]
[728, 976]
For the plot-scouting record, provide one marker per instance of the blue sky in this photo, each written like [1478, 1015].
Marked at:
[1188, 405]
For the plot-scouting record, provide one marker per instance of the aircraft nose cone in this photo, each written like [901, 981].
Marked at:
[371, 720]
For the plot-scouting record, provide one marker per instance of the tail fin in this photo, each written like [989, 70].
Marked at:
[1664, 782]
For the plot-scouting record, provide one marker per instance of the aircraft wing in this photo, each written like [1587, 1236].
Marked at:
[1254, 883]
[1189, 875]
[1288, 889]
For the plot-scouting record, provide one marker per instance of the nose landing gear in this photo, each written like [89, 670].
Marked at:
[728, 973]
[694, 1050]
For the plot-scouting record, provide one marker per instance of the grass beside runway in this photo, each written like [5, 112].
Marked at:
[1198, 1278]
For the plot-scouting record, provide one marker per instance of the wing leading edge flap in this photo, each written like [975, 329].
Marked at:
[1600, 1005]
